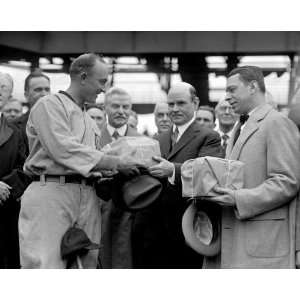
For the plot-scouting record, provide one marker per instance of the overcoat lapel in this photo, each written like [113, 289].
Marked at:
[251, 126]
[248, 130]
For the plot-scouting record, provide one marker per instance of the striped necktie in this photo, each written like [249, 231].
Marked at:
[174, 136]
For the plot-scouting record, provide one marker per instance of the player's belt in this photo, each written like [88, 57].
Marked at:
[76, 178]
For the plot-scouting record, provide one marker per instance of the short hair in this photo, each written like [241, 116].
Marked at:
[114, 91]
[95, 105]
[208, 108]
[250, 73]
[11, 100]
[84, 63]
[221, 102]
[157, 105]
[9, 78]
[35, 74]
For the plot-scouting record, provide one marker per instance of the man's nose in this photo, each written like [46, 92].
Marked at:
[175, 107]
[228, 97]
[228, 110]
[44, 93]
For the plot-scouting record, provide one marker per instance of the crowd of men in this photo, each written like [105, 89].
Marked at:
[52, 160]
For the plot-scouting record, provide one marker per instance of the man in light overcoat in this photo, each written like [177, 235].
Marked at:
[258, 221]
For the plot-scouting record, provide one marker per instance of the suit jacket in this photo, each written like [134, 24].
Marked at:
[21, 123]
[195, 142]
[116, 246]
[260, 231]
[12, 157]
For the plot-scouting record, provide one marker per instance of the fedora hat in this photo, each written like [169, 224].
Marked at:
[131, 189]
[201, 227]
[139, 192]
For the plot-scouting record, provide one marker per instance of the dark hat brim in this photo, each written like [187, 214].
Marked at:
[76, 242]
[138, 193]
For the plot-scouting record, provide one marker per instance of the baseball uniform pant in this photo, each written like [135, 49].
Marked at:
[48, 209]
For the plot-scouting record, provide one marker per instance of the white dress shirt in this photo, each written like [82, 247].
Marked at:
[181, 130]
[221, 133]
[121, 130]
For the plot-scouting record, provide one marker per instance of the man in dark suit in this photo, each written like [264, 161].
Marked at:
[116, 244]
[185, 140]
[37, 85]
[12, 185]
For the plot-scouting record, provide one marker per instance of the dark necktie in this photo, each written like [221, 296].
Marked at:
[224, 138]
[174, 136]
[116, 135]
[243, 119]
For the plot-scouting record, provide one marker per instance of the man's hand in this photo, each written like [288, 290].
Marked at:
[297, 259]
[4, 191]
[225, 197]
[108, 173]
[163, 169]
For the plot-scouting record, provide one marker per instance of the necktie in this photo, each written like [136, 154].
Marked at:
[116, 135]
[243, 119]
[224, 138]
[174, 136]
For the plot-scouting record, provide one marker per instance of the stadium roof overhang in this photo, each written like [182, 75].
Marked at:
[61, 43]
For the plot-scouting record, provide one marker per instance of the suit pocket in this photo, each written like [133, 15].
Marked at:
[267, 237]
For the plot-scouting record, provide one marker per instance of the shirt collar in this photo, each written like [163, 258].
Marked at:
[229, 133]
[121, 130]
[183, 128]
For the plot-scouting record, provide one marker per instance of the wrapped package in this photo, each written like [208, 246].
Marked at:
[142, 148]
[199, 176]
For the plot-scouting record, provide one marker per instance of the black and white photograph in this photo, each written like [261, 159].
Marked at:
[164, 151]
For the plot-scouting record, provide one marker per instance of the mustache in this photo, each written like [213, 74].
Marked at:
[120, 115]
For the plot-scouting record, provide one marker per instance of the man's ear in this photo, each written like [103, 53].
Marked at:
[253, 86]
[83, 77]
[196, 102]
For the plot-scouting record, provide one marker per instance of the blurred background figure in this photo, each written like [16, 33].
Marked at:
[270, 100]
[97, 113]
[294, 113]
[226, 118]
[117, 243]
[161, 118]
[6, 88]
[12, 109]
[205, 116]
[36, 86]
[133, 119]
